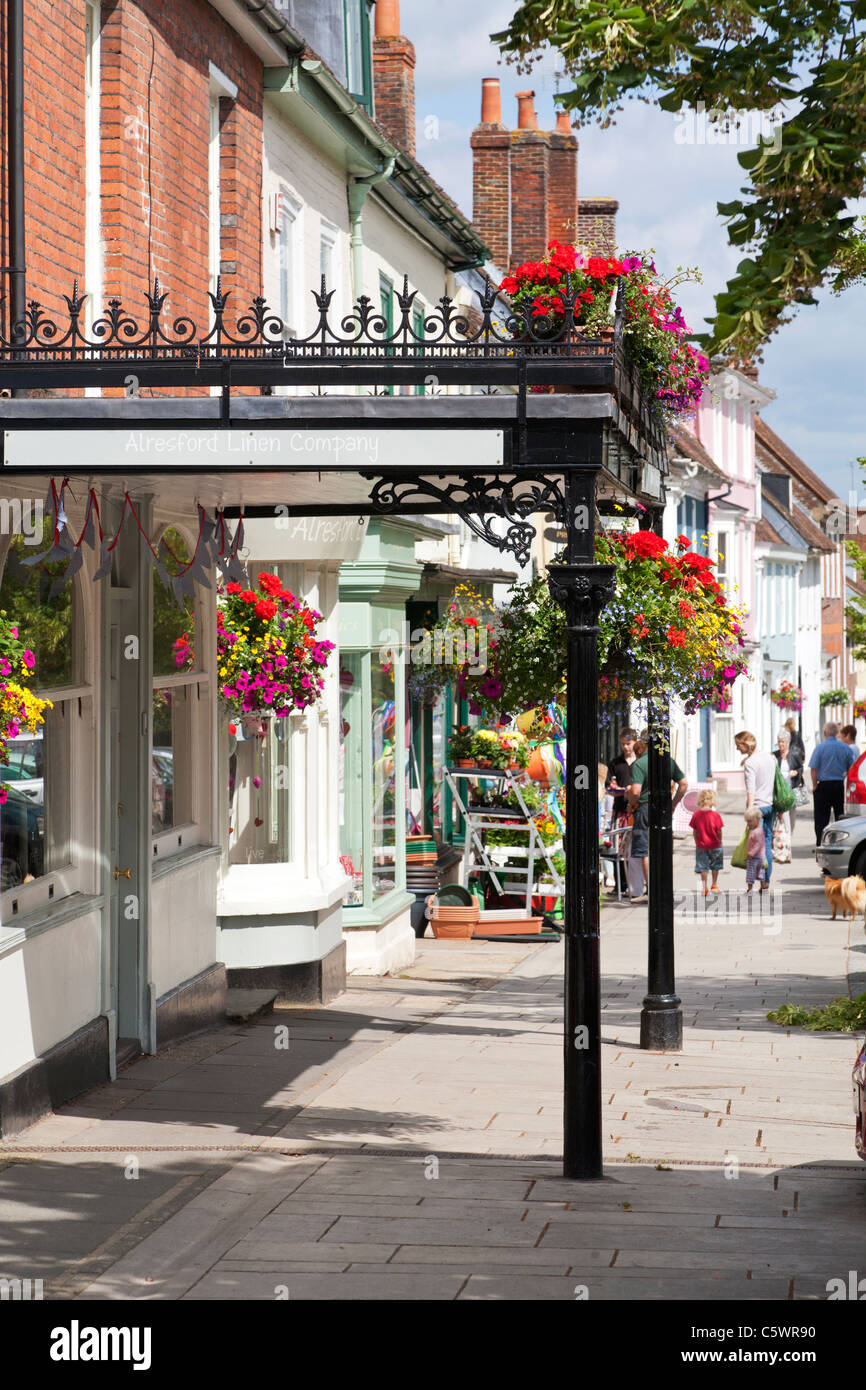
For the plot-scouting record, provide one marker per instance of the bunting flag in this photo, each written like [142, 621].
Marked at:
[216, 546]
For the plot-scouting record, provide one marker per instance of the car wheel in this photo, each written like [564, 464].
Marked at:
[858, 863]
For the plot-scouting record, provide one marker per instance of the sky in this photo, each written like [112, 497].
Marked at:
[667, 188]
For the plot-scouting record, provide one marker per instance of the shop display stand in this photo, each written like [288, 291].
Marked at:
[477, 819]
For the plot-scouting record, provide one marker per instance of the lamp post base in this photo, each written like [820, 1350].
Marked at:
[661, 1023]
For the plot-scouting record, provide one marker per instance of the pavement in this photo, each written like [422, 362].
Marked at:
[405, 1141]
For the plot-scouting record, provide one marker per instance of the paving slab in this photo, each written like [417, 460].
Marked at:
[406, 1145]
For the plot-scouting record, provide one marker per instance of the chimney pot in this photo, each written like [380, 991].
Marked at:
[563, 123]
[491, 101]
[526, 117]
[387, 19]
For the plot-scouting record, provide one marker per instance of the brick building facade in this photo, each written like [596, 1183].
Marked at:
[141, 159]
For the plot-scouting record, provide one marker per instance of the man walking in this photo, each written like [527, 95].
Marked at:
[638, 796]
[829, 766]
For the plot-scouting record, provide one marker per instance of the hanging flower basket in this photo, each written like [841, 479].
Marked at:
[790, 696]
[270, 658]
[668, 628]
[567, 290]
[19, 707]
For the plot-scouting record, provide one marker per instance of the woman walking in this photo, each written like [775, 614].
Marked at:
[790, 762]
[759, 773]
[797, 745]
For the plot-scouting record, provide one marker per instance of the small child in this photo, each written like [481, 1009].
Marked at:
[756, 850]
[707, 825]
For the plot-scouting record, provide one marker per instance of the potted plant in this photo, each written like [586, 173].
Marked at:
[485, 746]
[460, 746]
[517, 754]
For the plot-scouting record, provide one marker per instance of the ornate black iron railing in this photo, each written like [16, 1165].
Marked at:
[362, 334]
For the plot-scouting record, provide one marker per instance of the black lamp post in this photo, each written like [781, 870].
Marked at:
[582, 588]
[661, 1019]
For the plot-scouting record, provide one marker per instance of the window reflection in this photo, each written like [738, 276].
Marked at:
[384, 778]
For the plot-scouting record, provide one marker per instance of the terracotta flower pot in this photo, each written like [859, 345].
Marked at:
[453, 931]
[465, 762]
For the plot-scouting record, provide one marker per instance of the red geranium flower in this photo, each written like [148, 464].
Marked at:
[265, 608]
[676, 637]
[233, 588]
[249, 597]
[270, 583]
[645, 545]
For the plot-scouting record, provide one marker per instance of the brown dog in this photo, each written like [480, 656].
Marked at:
[847, 893]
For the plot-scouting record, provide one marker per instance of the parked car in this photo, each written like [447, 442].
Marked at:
[24, 764]
[842, 850]
[22, 838]
[859, 1079]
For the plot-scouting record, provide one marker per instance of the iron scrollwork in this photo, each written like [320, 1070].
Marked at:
[477, 500]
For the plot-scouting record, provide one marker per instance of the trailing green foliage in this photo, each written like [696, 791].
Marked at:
[735, 57]
[841, 1015]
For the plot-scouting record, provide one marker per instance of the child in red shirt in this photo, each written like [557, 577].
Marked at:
[706, 825]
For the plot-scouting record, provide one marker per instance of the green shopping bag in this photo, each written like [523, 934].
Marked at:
[739, 856]
[784, 796]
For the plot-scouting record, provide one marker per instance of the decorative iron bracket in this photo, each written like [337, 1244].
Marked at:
[477, 500]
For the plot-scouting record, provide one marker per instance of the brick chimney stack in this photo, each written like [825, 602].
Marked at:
[394, 77]
[491, 152]
[562, 165]
[597, 220]
[530, 183]
[524, 180]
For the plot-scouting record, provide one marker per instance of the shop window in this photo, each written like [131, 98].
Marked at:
[372, 757]
[176, 680]
[384, 856]
[44, 765]
[350, 783]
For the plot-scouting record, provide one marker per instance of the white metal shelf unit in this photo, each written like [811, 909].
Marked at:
[477, 819]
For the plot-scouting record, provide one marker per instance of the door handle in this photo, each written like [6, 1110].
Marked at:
[122, 873]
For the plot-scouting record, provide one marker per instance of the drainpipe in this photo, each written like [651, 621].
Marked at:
[15, 155]
[358, 190]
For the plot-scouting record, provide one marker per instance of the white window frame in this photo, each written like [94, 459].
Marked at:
[725, 550]
[289, 262]
[175, 839]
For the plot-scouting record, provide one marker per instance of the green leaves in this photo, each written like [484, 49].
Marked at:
[749, 57]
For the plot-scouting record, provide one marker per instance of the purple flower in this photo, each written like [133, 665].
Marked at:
[29, 659]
